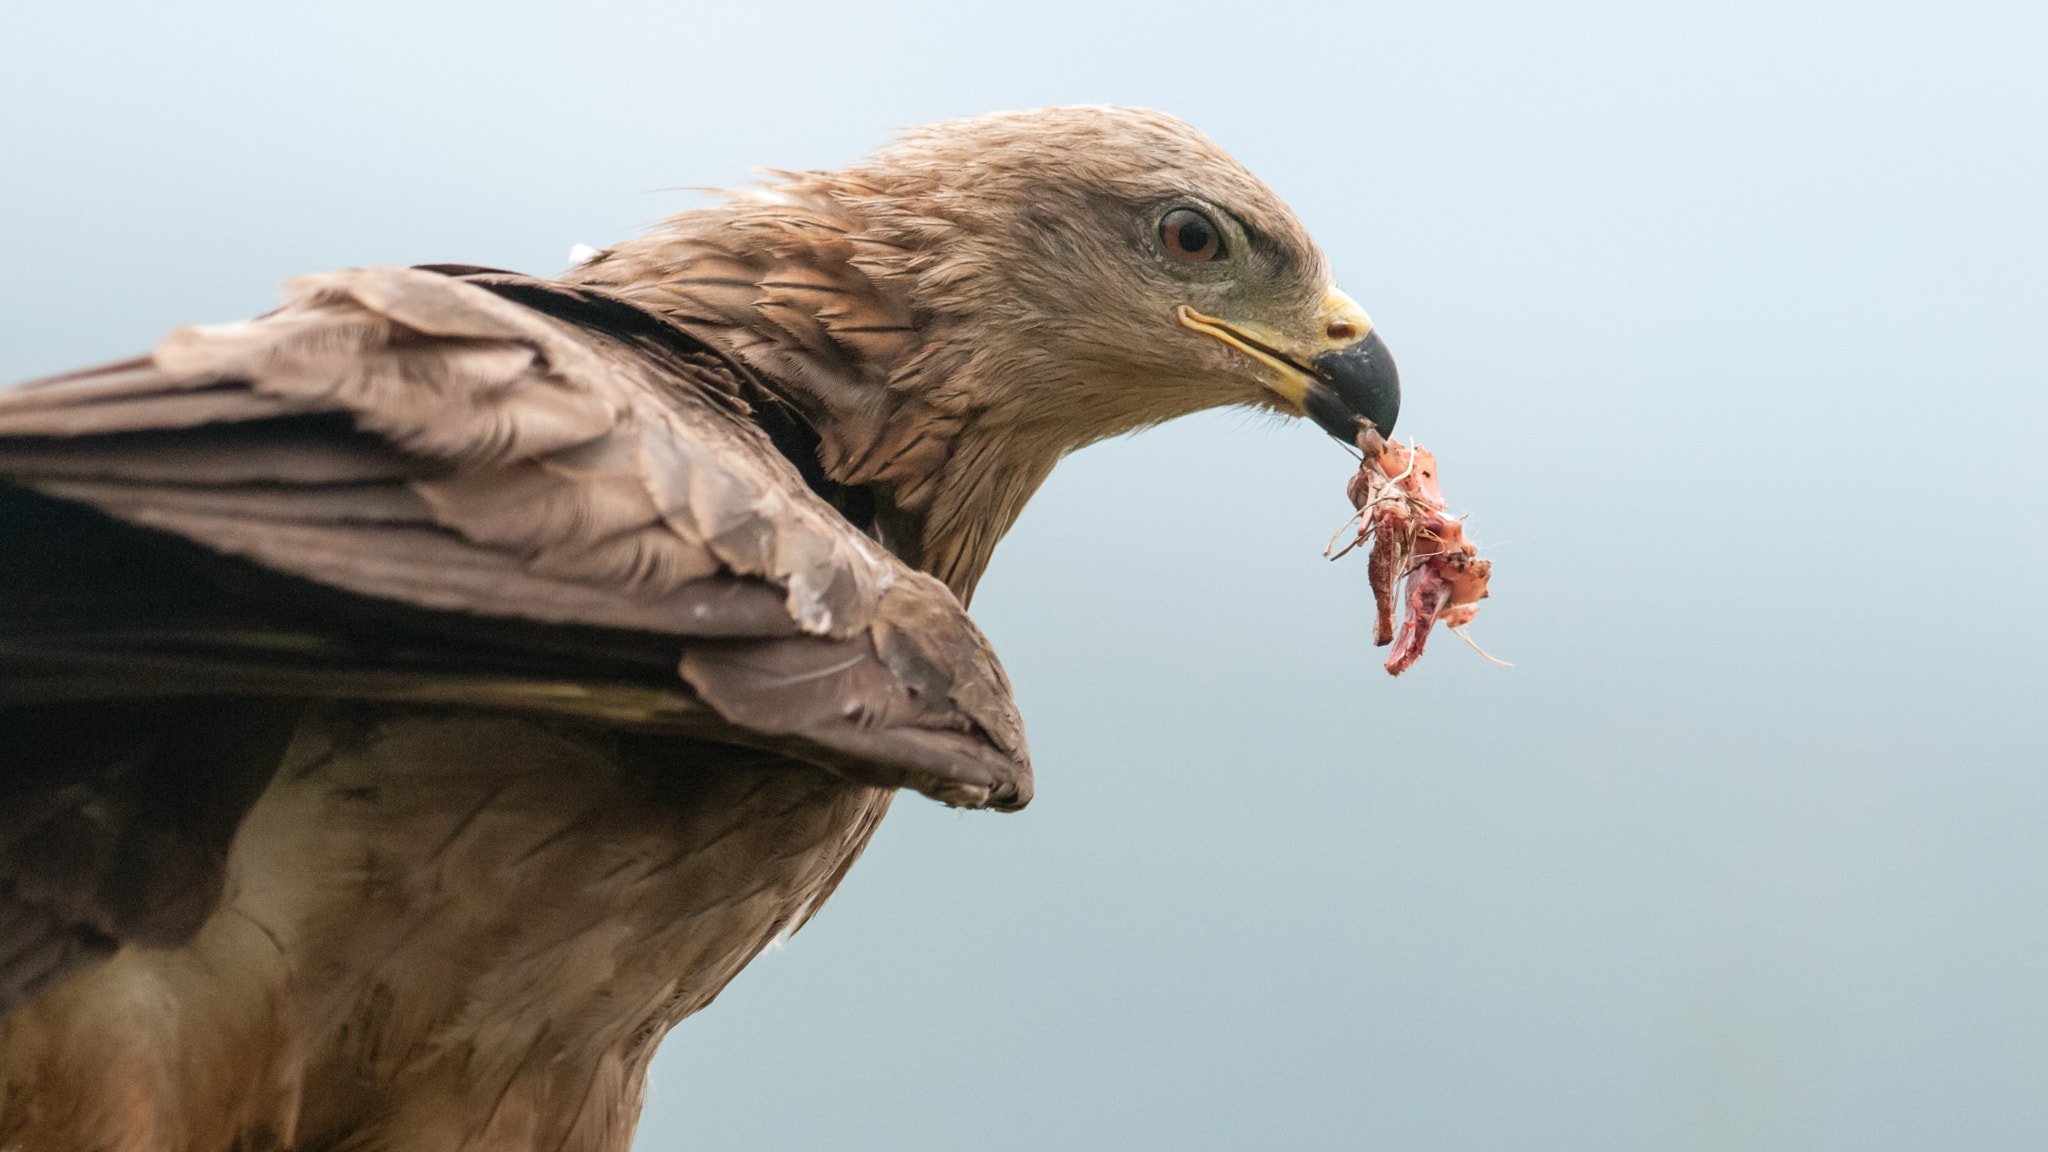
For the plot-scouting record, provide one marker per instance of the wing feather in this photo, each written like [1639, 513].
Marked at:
[411, 486]
[413, 437]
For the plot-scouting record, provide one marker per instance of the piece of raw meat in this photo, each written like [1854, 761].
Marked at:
[1415, 539]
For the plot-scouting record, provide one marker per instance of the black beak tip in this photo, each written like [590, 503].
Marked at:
[1357, 382]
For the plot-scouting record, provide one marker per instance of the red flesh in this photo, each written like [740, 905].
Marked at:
[1402, 509]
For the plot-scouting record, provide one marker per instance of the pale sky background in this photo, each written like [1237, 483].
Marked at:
[1728, 324]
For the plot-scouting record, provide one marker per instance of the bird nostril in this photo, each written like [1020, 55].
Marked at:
[1340, 330]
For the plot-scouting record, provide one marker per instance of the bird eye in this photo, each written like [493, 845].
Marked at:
[1190, 237]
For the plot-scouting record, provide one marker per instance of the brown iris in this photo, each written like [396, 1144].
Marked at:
[1190, 236]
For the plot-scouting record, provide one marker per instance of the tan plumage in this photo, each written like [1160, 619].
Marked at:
[418, 699]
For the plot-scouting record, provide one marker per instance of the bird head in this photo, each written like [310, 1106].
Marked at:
[963, 307]
[1115, 268]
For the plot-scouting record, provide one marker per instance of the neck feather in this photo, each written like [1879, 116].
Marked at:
[794, 288]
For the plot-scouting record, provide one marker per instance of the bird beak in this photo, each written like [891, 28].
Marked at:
[1338, 375]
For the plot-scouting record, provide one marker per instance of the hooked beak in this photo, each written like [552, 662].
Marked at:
[1340, 376]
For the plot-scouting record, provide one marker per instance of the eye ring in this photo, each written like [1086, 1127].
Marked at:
[1190, 237]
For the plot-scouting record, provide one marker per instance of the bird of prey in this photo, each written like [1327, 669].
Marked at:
[416, 700]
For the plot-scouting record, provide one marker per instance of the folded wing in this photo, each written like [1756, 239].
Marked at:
[410, 485]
